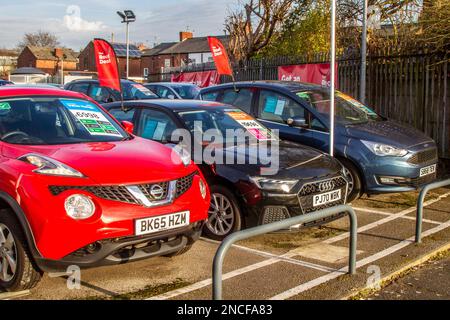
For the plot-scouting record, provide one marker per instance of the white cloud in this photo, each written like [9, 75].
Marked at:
[74, 22]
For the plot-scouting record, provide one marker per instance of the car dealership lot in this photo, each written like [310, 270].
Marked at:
[310, 264]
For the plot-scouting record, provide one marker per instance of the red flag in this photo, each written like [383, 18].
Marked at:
[108, 71]
[220, 56]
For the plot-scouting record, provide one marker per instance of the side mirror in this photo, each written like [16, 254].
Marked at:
[297, 122]
[128, 126]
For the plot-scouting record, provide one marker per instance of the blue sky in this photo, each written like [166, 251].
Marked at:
[75, 22]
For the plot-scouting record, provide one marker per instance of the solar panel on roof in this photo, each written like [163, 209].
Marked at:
[121, 50]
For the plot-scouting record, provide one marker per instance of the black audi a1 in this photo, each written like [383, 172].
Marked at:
[255, 181]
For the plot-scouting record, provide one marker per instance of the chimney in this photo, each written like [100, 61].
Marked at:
[184, 35]
[59, 53]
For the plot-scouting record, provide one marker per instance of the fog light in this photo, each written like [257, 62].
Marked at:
[393, 180]
[79, 207]
[387, 180]
[202, 188]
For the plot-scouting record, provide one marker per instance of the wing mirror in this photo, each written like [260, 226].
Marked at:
[128, 126]
[297, 122]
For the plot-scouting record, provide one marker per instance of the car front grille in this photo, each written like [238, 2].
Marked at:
[121, 193]
[274, 214]
[423, 157]
[184, 184]
[307, 192]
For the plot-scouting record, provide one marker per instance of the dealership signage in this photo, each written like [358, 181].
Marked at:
[220, 57]
[202, 79]
[318, 73]
[106, 61]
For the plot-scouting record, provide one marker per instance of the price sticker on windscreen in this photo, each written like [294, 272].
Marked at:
[142, 89]
[251, 125]
[357, 104]
[91, 118]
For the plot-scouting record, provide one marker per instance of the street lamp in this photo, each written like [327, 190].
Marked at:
[127, 16]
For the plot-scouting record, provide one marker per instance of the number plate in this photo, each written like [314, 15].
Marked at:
[162, 223]
[428, 170]
[326, 198]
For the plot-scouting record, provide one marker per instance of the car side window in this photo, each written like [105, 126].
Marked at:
[100, 94]
[164, 92]
[80, 87]
[210, 96]
[278, 108]
[156, 125]
[152, 88]
[121, 115]
[241, 99]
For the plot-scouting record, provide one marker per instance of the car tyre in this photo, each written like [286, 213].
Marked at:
[355, 182]
[17, 269]
[224, 214]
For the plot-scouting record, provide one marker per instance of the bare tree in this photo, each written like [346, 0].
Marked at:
[252, 27]
[435, 24]
[39, 39]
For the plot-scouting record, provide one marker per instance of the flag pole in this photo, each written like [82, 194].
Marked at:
[234, 83]
[333, 74]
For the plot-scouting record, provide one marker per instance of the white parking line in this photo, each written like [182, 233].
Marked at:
[240, 271]
[385, 220]
[274, 256]
[391, 214]
[14, 295]
[318, 281]
[208, 282]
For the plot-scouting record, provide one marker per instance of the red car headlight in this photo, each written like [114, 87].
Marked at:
[50, 166]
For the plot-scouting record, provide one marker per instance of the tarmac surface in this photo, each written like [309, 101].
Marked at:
[310, 264]
[430, 281]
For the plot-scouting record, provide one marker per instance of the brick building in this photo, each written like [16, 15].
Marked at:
[87, 59]
[154, 60]
[189, 50]
[8, 62]
[49, 60]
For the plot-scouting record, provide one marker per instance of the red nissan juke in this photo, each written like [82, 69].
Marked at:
[76, 189]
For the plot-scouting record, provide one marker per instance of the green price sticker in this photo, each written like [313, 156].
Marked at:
[5, 106]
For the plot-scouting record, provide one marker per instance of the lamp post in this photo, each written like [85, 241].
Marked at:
[362, 91]
[127, 16]
[333, 74]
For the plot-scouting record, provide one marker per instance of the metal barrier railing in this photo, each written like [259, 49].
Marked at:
[420, 202]
[276, 226]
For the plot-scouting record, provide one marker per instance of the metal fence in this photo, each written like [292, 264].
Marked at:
[411, 88]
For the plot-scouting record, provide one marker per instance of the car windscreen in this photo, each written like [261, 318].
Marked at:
[186, 91]
[55, 120]
[224, 121]
[136, 91]
[347, 110]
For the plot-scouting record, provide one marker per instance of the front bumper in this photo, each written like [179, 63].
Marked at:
[405, 172]
[124, 250]
[57, 236]
[279, 206]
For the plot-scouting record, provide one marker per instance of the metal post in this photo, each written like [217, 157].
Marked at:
[276, 226]
[333, 71]
[362, 88]
[128, 50]
[420, 202]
